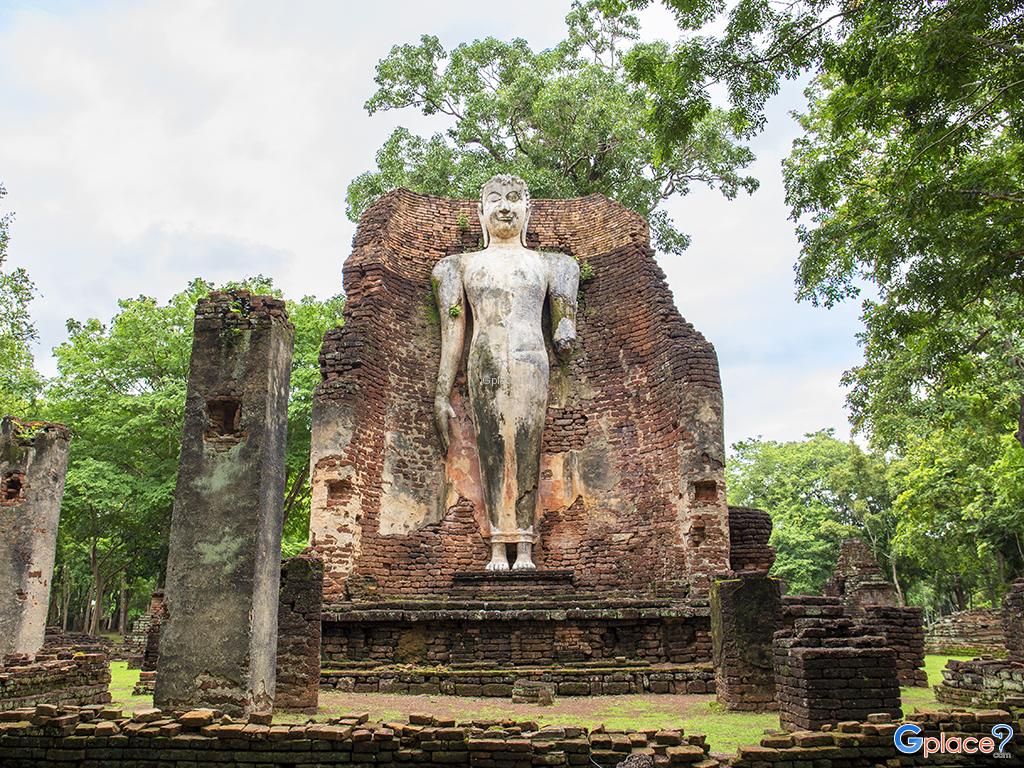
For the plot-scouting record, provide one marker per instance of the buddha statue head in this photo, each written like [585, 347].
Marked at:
[504, 209]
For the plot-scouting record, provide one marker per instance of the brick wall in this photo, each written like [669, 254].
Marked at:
[983, 682]
[632, 481]
[979, 629]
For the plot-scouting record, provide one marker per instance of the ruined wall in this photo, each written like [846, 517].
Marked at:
[218, 643]
[142, 642]
[903, 630]
[33, 465]
[985, 682]
[632, 483]
[979, 629]
[298, 633]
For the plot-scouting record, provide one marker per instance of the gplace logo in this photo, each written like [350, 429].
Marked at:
[909, 741]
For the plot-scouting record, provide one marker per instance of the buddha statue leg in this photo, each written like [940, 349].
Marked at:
[530, 392]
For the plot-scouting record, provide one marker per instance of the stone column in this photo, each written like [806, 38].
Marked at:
[219, 639]
[33, 464]
[746, 611]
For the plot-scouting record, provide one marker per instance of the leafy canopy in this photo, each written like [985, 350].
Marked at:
[568, 120]
[908, 179]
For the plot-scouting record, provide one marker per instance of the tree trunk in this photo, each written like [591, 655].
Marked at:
[98, 587]
[896, 581]
[122, 605]
[1020, 423]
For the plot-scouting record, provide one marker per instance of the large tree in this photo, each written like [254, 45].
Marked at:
[568, 120]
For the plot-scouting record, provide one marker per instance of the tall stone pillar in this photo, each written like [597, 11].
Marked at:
[219, 640]
[746, 611]
[33, 464]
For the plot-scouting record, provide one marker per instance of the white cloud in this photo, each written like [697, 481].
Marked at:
[144, 144]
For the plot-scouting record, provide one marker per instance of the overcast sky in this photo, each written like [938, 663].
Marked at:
[146, 143]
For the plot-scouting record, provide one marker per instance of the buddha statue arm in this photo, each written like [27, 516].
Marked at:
[563, 286]
[451, 306]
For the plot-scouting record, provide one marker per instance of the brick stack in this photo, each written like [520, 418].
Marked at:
[795, 607]
[745, 613]
[298, 633]
[979, 630]
[903, 630]
[632, 499]
[47, 736]
[749, 531]
[827, 671]
[151, 651]
[1013, 621]
[64, 678]
[57, 640]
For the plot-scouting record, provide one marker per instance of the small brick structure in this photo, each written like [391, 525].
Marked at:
[33, 466]
[749, 532]
[298, 633]
[218, 643]
[1013, 621]
[746, 611]
[979, 630]
[54, 678]
[828, 671]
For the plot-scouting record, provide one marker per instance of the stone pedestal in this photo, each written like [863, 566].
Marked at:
[746, 611]
[33, 464]
[219, 641]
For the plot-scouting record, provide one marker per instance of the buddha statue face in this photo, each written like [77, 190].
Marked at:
[504, 209]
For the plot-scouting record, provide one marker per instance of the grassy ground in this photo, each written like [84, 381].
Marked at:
[694, 714]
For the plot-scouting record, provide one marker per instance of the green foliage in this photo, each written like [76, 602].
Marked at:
[908, 180]
[121, 386]
[568, 120]
[818, 491]
[454, 310]
[19, 382]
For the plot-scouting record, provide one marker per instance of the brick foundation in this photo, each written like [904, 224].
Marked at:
[298, 634]
[63, 678]
[577, 680]
[903, 631]
[91, 738]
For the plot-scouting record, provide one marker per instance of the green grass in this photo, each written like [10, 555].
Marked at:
[725, 730]
[122, 681]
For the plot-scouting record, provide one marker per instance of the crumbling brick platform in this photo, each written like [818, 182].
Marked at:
[979, 630]
[984, 682]
[59, 678]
